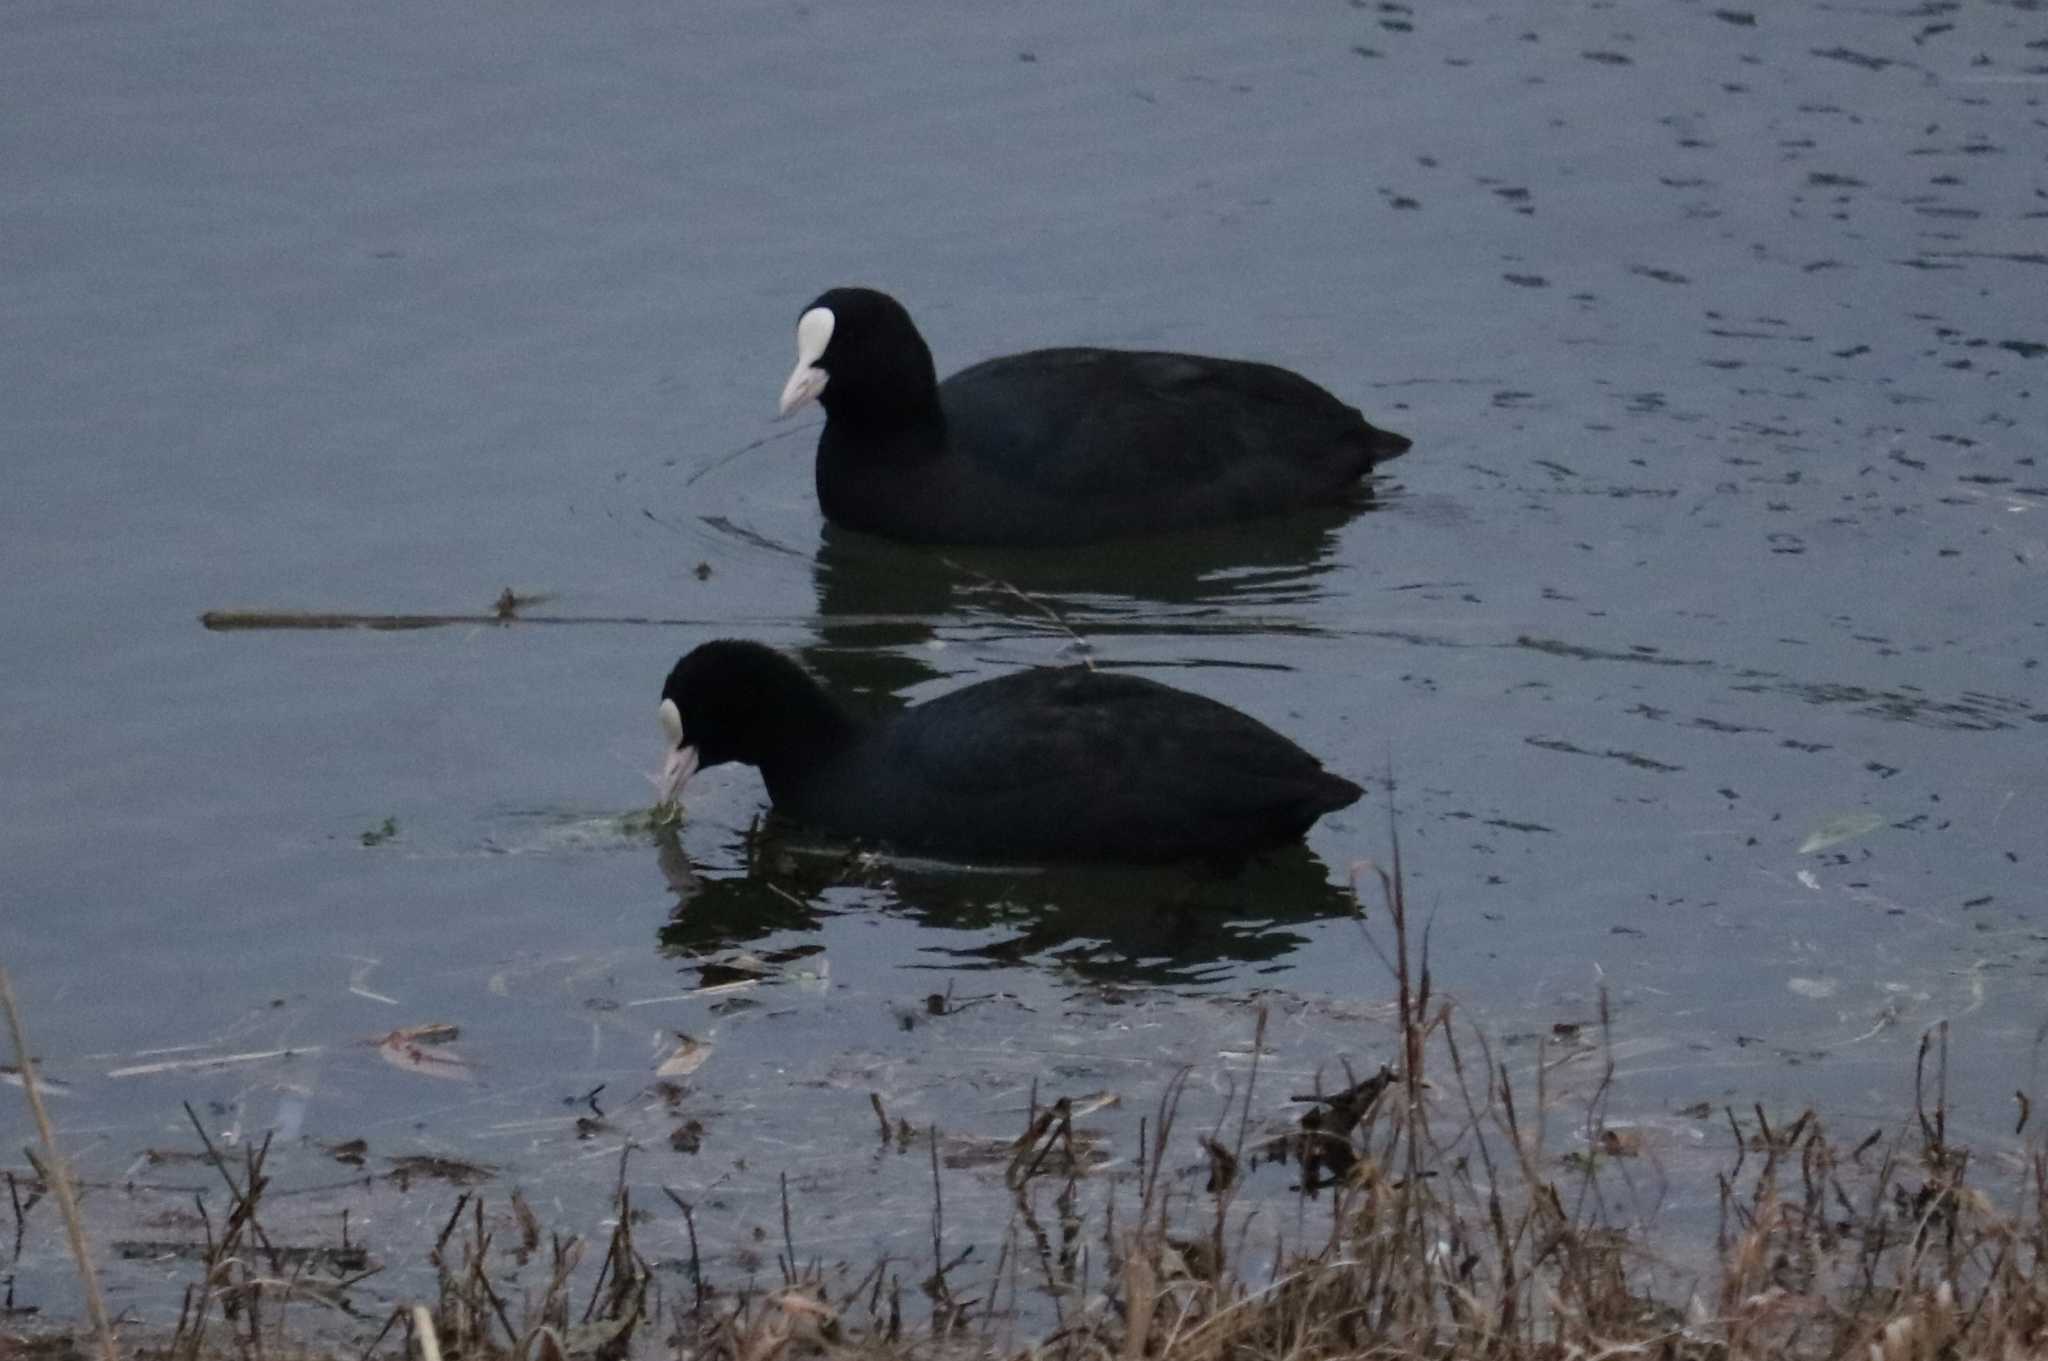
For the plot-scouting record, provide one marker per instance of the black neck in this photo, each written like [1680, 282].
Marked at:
[886, 392]
[807, 725]
[900, 439]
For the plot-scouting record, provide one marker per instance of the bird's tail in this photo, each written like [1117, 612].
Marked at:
[1385, 444]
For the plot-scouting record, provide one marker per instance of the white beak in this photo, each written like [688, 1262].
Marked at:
[807, 380]
[680, 762]
[803, 387]
[676, 770]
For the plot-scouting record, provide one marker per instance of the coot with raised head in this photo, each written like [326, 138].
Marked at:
[1059, 446]
[1055, 764]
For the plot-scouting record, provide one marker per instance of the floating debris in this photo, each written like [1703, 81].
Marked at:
[686, 1058]
[350, 1152]
[205, 1062]
[1836, 830]
[414, 1049]
[454, 1171]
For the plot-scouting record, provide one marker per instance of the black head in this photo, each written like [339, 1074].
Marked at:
[739, 701]
[858, 354]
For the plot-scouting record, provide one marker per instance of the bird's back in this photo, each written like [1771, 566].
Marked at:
[1074, 764]
[1168, 439]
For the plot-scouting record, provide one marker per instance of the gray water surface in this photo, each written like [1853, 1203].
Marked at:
[1700, 632]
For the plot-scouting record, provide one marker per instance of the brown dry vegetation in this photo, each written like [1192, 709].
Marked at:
[1445, 1228]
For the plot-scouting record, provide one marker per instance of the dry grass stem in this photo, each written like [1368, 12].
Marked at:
[57, 1175]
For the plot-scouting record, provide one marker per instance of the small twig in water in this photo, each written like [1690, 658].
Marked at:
[696, 1264]
[1037, 606]
[789, 1271]
[715, 464]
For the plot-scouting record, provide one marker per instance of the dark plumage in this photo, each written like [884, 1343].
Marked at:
[1059, 446]
[1058, 764]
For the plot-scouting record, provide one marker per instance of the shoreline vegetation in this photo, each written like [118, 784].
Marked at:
[1443, 1217]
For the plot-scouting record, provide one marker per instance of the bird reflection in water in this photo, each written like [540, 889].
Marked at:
[1138, 925]
[881, 604]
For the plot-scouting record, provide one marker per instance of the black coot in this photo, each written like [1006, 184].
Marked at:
[1057, 764]
[1059, 446]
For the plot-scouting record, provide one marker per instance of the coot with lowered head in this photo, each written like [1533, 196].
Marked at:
[1055, 764]
[1059, 446]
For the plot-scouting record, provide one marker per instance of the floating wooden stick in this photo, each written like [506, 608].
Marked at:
[231, 621]
[234, 621]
